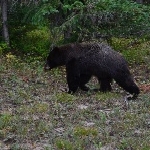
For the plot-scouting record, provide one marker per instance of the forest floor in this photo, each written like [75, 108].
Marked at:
[36, 113]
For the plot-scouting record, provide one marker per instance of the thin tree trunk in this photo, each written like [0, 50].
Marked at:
[4, 21]
[139, 1]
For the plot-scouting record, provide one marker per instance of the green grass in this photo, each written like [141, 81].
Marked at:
[36, 111]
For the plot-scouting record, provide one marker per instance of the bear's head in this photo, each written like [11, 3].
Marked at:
[53, 60]
[131, 87]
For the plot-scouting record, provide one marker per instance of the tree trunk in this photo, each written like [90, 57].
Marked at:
[5, 33]
[139, 1]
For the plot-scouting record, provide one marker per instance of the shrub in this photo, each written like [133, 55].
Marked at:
[26, 39]
[135, 52]
[3, 48]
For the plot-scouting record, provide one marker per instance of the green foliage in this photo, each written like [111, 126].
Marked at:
[134, 51]
[5, 120]
[35, 41]
[83, 131]
[75, 20]
[64, 144]
[3, 48]
[87, 18]
[105, 96]
[36, 108]
[65, 97]
[124, 145]
[81, 138]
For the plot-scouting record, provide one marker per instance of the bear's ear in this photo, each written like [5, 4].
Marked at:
[56, 49]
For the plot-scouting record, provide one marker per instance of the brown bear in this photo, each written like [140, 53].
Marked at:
[84, 60]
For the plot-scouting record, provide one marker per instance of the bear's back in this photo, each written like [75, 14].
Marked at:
[93, 54]
[100, 57]
[91, 49]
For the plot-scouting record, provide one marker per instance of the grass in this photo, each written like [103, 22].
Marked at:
[36, 112]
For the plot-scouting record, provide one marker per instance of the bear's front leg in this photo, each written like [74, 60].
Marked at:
[73, 75]
[105, 84]
[84, 78]
[73, 83]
